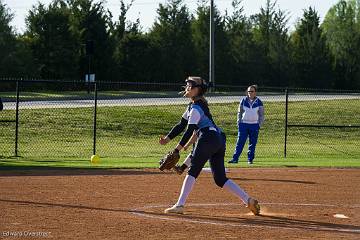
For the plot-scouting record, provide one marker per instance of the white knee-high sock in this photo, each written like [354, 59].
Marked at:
[187, 186]
[236, 190]
[187, 160]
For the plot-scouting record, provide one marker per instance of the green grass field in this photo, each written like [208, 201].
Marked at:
[127, 136]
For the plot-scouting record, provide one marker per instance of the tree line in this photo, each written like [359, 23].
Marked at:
[69, 38]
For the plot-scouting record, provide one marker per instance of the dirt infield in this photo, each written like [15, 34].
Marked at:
[297, 203]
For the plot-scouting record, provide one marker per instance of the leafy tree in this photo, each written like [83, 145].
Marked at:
[134, 52]
[135, 59]
[171, 33]
[272, 45]
[51, 41]
[24, 64]
[91, 22]
[201, 38]
[342, 31]
[123, 26]
[241, 46]
[7, 42]
[310, 54]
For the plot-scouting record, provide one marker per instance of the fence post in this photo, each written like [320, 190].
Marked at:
[17, 117]
[94, 123]
[286, 119]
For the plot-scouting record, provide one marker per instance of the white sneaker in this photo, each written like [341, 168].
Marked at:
[254, 206]
[175, 209]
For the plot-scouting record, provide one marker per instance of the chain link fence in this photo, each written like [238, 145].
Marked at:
[52, 120]
[322, 124]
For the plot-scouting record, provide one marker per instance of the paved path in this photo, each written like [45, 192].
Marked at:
[163, 101]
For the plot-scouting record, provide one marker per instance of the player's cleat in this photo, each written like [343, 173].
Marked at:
[254, 206]
[180, 169]
[233, 161]
[250, 161]
[175, 209]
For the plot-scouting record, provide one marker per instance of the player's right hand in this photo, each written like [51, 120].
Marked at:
[163, 140]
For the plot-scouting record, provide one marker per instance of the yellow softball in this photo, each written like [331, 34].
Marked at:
[95, 158]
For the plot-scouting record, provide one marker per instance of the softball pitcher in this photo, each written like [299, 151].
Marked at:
[210, 145]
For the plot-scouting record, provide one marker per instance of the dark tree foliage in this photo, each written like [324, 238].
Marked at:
[8, 43]
[242, 50]
[136, 56]
[342, 32]
[272, 45]
[90, 21]
[310, 54]
[171, 34]
[131, 47]
[201, 38]
[52, 43]
[256, 49]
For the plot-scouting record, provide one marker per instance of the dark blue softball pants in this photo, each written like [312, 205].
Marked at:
[210, 146]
